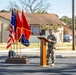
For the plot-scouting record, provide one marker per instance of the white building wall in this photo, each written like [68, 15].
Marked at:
[5, 33]
[59, 35]
[33, 38]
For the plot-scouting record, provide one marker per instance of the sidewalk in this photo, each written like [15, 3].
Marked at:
[36, 52]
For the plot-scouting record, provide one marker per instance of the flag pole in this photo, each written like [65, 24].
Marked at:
[20, 42]
[16, 37]
[20, 46]
[11, 47]
[11, 50]
[18, 30]
[16, 47]
[17, 42]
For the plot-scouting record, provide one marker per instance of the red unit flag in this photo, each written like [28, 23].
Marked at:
[25, 26]
[18, 27]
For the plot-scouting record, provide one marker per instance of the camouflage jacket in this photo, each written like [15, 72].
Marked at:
[53, 42]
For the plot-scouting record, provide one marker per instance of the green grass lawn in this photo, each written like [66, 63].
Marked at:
[32, 45]
[62, 46]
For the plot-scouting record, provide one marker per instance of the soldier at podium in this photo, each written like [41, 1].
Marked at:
[51, 47]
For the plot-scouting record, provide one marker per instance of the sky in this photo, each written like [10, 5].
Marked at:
[59, 7]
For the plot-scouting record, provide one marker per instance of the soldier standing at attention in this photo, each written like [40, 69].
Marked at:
[51, 47]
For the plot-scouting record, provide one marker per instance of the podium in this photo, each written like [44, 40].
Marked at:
[43, 51]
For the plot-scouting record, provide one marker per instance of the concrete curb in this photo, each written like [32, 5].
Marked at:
[36, 52]
[69, 56]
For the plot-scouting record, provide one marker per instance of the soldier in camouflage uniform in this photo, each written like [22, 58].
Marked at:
[51, 47]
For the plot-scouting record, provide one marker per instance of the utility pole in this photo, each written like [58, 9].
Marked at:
[73, 26]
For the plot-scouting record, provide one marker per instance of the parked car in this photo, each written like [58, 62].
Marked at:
[67, 38]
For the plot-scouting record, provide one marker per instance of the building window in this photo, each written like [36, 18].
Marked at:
[35, 30]
[42, 32]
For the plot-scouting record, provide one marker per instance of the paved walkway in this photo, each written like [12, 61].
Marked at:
[36, 51]
[63, 66]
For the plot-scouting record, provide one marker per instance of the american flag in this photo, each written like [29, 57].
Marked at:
[12, 30]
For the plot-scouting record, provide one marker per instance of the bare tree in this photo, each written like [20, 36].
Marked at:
[31, 6]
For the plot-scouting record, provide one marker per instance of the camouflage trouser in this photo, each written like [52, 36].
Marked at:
[51, 51]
